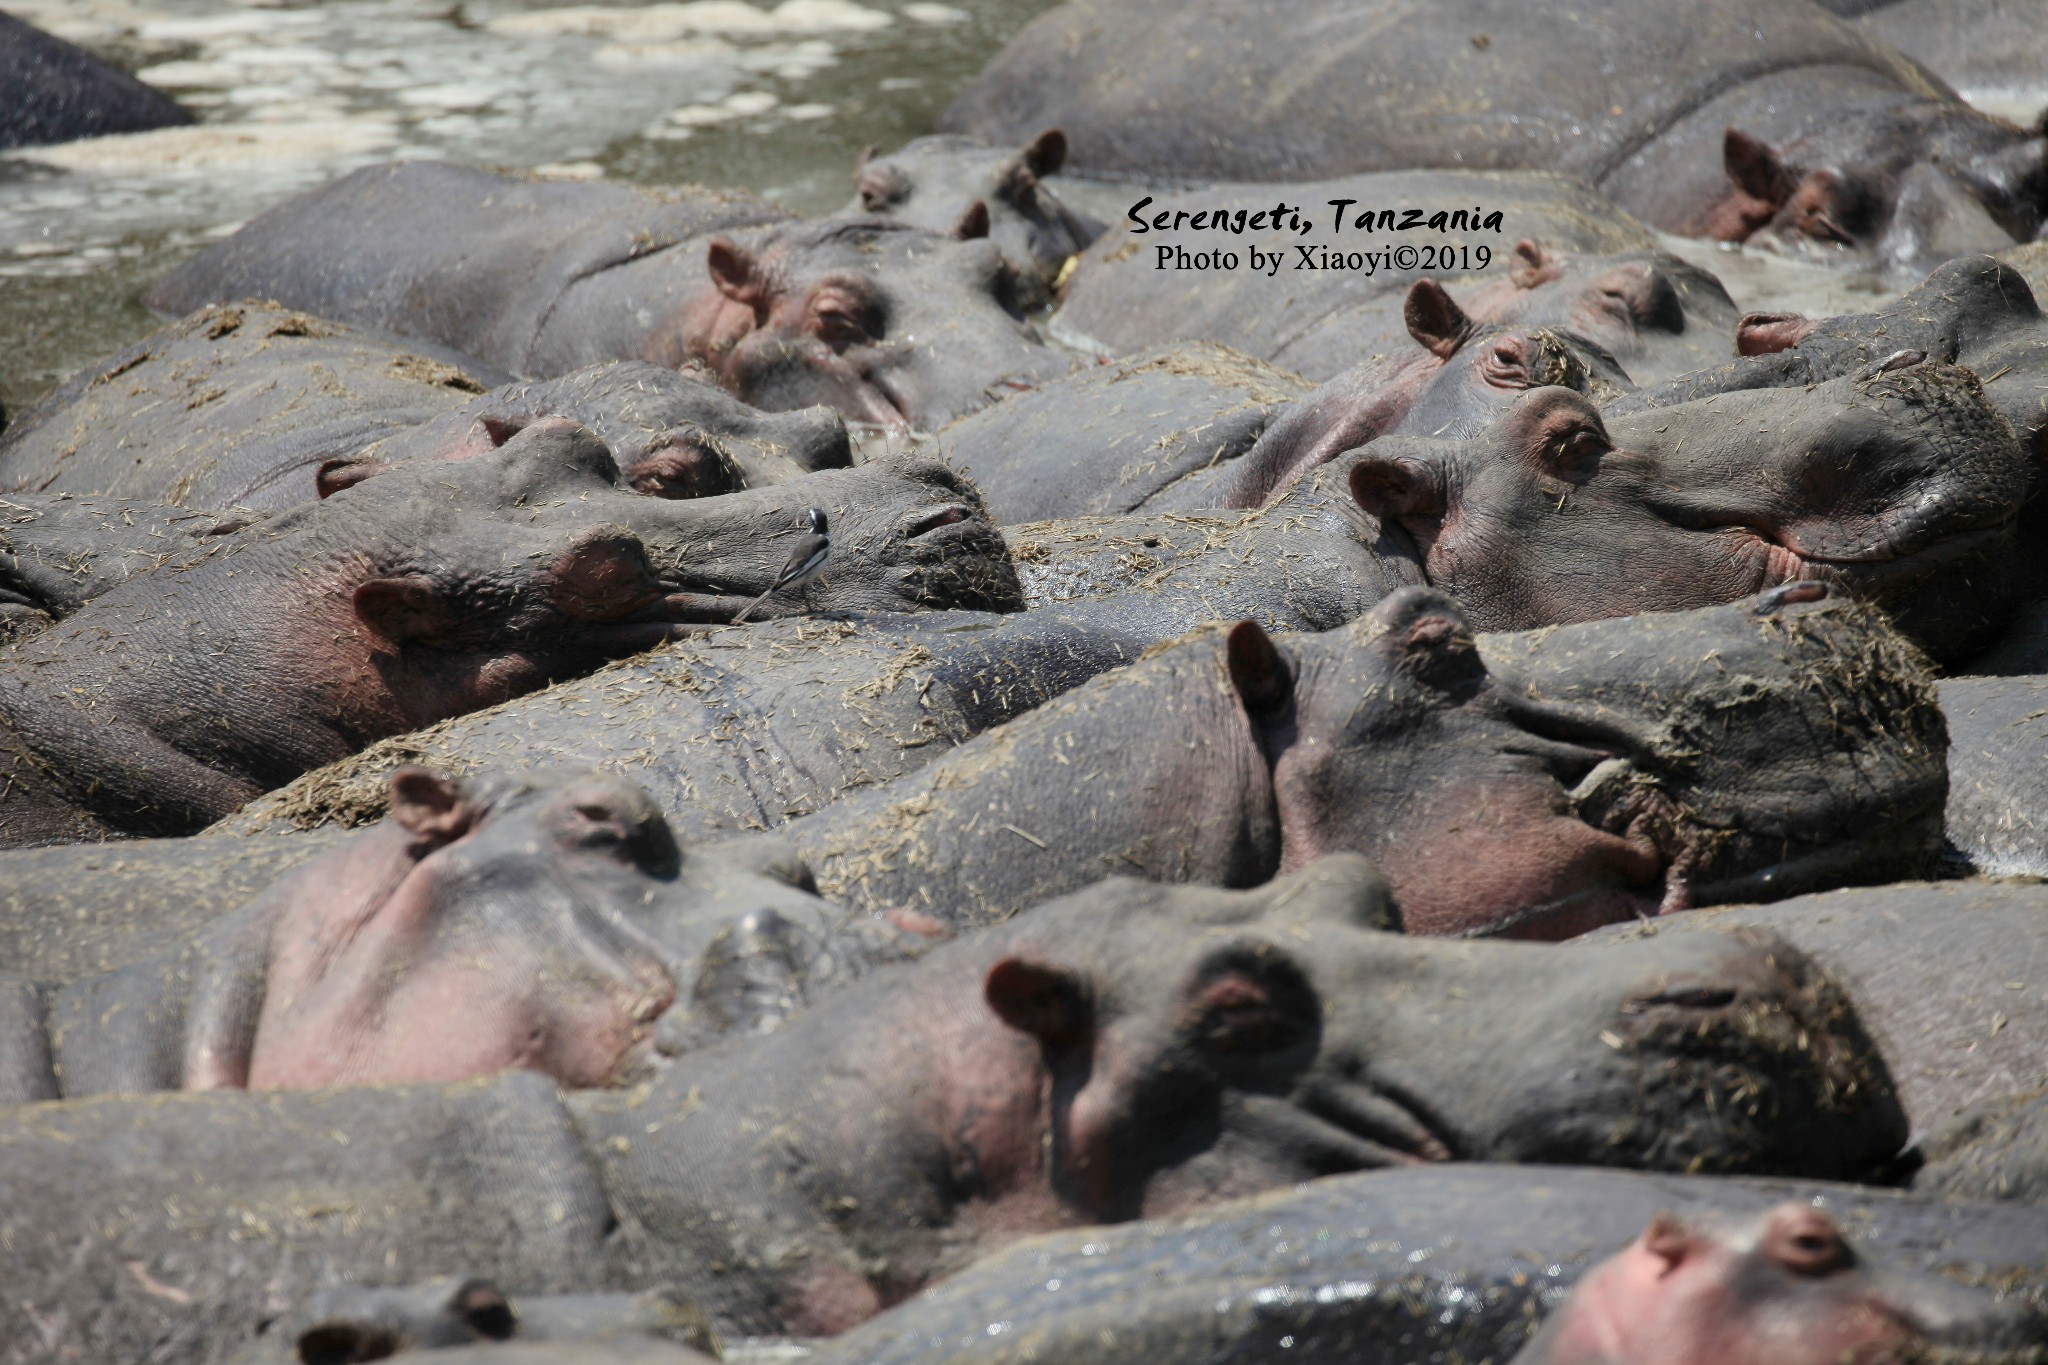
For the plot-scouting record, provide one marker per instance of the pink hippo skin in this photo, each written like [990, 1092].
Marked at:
[474, 931]
[1781, 1288]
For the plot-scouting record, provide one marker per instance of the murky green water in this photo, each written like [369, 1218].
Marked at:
[773, 98]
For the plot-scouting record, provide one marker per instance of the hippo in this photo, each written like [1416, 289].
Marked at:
[253, 405]
[423, 593]
[1466, 373]
[1995, 1150]
[1300, 310]
[1444, 1265]
[1977, 312]
[1901, 483]
[935, 183]
[1943, 973]
[1997, 801]
[58, 92]
[1783, 1287]
[1231, 756]
[1136, 1050]
[58, 552]
[545, 920]
[457, 1312]
[1748, 119]
[886, 323]
[1162, 426]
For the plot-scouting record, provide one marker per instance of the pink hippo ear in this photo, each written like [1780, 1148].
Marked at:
[736, 272]
[1258, 670]
[867, 154]
[1435, 320]
[429, 804]
[972, 224]
[1669, 1239]
[1393, 489]
[1532, 264]
[403, 609]
[1046, 153]
[1051, 1003]
[1761, 182]
[1428, 633]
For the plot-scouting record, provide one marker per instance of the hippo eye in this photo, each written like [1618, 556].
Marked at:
[837, 327]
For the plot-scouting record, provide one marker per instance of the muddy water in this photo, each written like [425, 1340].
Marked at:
[776, 98]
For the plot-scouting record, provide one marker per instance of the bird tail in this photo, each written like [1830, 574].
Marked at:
[748, 610]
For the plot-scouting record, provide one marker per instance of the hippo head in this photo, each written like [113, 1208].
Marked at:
[1901, 484]
[1907, 188]
[904, 533]
[887, 323]
[1466, 373]
[935, 183]
[1485, 367]
[672, 435]
[480, 927]
[1205, 1045]
[1594, 775]
[1655, 314]
[1783, 1287]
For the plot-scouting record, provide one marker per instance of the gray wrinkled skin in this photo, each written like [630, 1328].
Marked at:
[251, 405]
[1434, 1267]
[1947, 975]
[1901, 484]
[236, 405]
[1997, 1150]
[1998, 788]
[665, 1183]
[446, 588]
[884, 322]
[1842, 147]
[1840, 739]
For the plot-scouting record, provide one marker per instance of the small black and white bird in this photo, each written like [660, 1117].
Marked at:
[806, 562]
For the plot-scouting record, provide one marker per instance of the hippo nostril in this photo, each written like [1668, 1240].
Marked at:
[951, 515]
[1686, 998]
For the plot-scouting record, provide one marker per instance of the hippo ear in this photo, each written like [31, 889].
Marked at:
[1393, 489]
[403, 609]
[1756, 168]
[430, 804]
[1769, 333]
[1532, 264]
[1258, 670]
[867, 154]
[1047, 152]
[736, 272]
[972, 224]
[1435, 320]
[1053, 1004]
[335, 475]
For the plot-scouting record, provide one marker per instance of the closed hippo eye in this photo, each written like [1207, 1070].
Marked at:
[1806, 1241]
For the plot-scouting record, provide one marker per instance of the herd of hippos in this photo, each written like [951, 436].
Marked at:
[1380, 816]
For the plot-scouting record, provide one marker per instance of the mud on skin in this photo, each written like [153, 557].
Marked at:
[1900, 483]
[252, 405]
[886, 323]
[403, 640]
[1230, 756]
